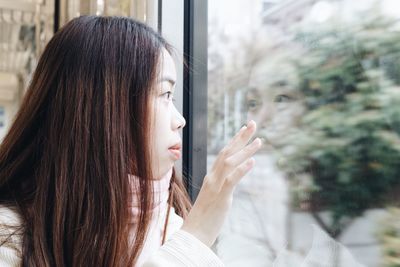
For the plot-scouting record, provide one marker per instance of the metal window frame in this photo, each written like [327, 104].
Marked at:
[195, 94]
[159, 15]
[56, 24]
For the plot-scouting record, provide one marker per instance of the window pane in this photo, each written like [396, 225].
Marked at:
[321, 79]
[25, 28]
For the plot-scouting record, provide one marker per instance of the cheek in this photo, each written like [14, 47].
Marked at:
[162, 128]
[251, 115]
[291, 111]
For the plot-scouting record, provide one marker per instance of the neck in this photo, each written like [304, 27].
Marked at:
[160, 189]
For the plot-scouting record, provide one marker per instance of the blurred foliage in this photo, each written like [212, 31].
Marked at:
[389, 237]
[349, 143]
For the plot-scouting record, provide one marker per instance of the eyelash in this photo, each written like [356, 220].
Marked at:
[170, 94]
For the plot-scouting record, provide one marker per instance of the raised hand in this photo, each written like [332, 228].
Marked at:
[215, 197]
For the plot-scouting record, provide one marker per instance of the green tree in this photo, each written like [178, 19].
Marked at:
[350, 144]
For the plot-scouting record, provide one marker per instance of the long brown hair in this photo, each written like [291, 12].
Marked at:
[83, 126]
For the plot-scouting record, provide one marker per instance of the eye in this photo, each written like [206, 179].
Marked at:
[169, 96]
[283, 99]
[252, 104]
[282, 83]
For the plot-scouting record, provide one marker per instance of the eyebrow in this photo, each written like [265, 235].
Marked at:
[168, 79]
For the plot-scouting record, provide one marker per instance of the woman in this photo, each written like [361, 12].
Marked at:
[86, 169]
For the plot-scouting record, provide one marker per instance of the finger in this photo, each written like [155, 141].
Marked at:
[240, 132]
[237, 142]
[244, 132]
[235, 160]
[241, 138]
[234, 178]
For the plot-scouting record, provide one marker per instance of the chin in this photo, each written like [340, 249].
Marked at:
[165, 168]
[171, 165]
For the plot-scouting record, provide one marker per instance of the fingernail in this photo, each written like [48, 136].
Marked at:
[251, 162]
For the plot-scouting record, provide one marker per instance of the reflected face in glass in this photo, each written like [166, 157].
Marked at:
[276, 108]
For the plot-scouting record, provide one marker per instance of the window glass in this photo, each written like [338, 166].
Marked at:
[25, 28]
[321, 79]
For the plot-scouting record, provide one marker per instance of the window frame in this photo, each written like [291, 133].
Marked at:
[195, 94]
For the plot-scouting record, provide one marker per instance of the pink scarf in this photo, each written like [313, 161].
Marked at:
[158, 213]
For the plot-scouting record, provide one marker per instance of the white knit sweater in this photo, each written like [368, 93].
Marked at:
[181, 248]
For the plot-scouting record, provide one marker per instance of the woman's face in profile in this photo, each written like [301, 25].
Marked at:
[166, 144]
[276, 106]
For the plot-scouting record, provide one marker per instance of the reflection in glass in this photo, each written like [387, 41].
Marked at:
[321, 79]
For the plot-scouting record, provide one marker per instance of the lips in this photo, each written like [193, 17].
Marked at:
[175, 151]
[178, 147]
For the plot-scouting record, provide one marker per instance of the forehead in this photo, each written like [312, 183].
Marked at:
[168, 68]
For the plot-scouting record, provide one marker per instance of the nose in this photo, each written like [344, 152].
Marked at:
[178, 121]
[265, 115]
